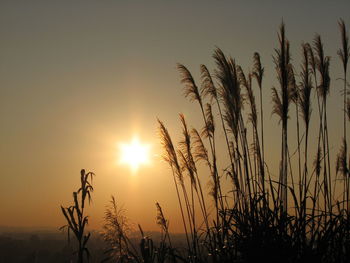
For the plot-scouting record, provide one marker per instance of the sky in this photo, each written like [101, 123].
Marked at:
[77, 78]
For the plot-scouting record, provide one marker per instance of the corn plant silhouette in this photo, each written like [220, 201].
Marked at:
[74, 215]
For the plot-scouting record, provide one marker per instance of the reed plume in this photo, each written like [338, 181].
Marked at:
[258, 74]
[171, 157]
[281, 102]
[343, 53]
[116, 231]
[322, 65]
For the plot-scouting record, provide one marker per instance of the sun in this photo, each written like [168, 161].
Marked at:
[134, 154]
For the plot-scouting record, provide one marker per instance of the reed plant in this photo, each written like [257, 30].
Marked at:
[123, 246]
[294, 219]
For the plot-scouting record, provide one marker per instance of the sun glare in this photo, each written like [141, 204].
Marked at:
[134, 154]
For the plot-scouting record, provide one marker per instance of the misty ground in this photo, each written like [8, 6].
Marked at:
[22, 245]
[26, 245]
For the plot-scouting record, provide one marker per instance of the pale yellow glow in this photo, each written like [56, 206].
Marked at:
[134, 154]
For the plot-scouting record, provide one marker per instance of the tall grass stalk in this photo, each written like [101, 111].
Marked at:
[281, 102]
[344, 54]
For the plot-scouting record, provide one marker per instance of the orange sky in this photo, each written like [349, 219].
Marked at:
[77, 78]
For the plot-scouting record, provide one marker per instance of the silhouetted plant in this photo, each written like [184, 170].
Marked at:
[116, 231]
[74, 215]
[253, 222]
[281, 102]
[122, 246]
[258, 74]
[344, 54]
